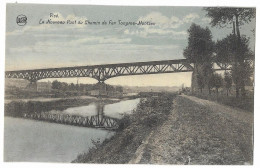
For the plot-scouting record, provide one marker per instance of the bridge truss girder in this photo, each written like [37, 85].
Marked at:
[107, 71]
[104, 72]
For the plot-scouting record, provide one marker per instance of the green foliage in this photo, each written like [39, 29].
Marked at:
[235, 50]
[18, 108]
[226, 49]
[227, 81]
[211, 82]
[200, 45]
[56, 85]
[200, 51]
[200, 82]
[63, 86]
[207, 72]
[150, 113]
[218, 81]
[243, 73]
[222, 16]
[246, 104]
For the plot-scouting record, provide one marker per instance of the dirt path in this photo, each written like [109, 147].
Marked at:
[201, 132]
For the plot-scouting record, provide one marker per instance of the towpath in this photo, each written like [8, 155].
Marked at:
[200, 132]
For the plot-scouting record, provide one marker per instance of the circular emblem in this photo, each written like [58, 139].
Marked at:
[21, 20]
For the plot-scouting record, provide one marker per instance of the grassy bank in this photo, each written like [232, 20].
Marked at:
[199, 132]
[18, 108]
[149, 114]
[245, 103]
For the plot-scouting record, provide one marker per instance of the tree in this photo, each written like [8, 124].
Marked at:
[226, 54]
[222, 17]
[218, 81]
[56, 85]
[64, 86]
[226, 49]
[200, 82]
[72, 87]
[207, 72]
[200, 45]
[200, 51]
[228, 81]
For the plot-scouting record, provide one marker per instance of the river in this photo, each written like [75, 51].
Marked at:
[38, 141]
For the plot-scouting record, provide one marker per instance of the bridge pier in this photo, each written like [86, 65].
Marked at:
[100, 113]
[102, 88]
[32, 86]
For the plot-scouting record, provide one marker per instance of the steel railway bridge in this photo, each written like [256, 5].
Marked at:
[107, 71]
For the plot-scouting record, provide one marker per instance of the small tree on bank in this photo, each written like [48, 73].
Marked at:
[218, 81]
[228, 81]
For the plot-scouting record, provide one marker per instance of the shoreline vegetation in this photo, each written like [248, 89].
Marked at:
[19, 108]
[245, 103]
[171, 129]
[133, 129]
[136, 133]
[51, 110]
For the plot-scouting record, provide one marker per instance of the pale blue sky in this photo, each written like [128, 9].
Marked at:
[44, 46]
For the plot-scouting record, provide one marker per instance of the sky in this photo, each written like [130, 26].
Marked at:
[36, 45]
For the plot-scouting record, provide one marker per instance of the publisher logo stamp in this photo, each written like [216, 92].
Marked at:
[21, 20]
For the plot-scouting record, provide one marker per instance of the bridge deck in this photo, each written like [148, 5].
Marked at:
[109, 65]
[106, 71]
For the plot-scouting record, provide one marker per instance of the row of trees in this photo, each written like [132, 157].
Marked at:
[63, 86]
[233, 49]
[216, 81]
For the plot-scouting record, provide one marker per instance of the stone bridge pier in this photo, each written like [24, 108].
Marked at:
[102, 88]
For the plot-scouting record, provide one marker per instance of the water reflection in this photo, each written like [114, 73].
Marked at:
[98, 115]
[34, 141]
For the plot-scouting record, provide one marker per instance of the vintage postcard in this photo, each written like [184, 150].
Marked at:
[129, 84]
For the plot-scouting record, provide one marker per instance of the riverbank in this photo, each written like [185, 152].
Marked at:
[202, 132]
[150, 113]
[19, 108]
[60, 135]
[189, 131]
[45, 99]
